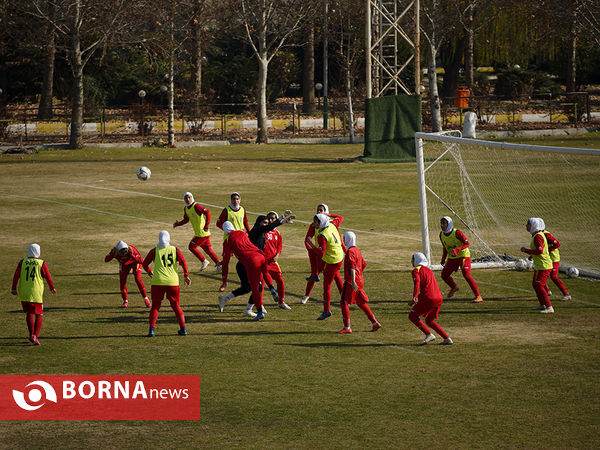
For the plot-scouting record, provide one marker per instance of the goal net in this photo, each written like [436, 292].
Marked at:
[490, 189]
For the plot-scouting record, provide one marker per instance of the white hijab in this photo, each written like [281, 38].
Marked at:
[450, 224]
[121, 245]
[228, 228]
[323, 221]
[419, 259]
[536, 224]
[33, 251]
[190, 195]
[231, 203]
[324, 207]
[164, 239]
[349, 239]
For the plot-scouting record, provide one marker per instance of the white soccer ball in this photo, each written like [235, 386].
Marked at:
[573, 272]
[521, 264]
[143, 173]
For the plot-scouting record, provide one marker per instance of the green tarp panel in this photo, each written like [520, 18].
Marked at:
[390, 126]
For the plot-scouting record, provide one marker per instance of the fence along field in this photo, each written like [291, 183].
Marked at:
[290, 380]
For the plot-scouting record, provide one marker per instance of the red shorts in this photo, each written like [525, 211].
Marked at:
[452, 265]
[352, 297]
[33, 307]
[425, 305]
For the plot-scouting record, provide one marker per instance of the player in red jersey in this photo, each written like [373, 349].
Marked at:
[427, 300]
[236, 215]
[130, 260]
[353, 292]
[253, 260]
[28, 284]
[316, 263]
[273, 249]
[456, 249]
[165, 280]
[539, 251]
[553, 245]
[200, 218]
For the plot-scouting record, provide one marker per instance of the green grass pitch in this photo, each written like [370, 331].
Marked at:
[514, 378]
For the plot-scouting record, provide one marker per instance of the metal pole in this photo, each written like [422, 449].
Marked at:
[423, 199]
[417, 49]
[325, 44]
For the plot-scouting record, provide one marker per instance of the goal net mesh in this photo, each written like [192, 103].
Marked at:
[490, 190]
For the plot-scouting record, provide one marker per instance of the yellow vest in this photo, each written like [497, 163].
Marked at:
[451, 242]
[165, 267]
[31, 284]
[334, 252]
[236, 218]
[198, 221]
[542, 261]
[554, 255]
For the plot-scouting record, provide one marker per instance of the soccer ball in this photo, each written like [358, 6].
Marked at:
[573, 272]
[521, 264]
[143, 173]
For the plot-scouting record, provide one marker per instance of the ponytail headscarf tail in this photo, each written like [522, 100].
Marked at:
[323, 220]
[121, 245]
[164, 239]
[228, 227]
[349, 239]
[450, 224]
[419, 259]
[191, 200]
[324, 206]
[34, 251]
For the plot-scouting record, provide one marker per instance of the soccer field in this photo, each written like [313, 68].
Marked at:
[513, 378]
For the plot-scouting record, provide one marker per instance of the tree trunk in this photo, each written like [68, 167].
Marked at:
[262, 132]
[308, 78]
[350, 110]
[434, 98]
[196, 64]
[76, 138]
[452, 66]
[171, 119]
[469, 48]
[45, 107]
[572, 64]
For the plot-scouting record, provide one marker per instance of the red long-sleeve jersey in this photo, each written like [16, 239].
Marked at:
[132, 257]
[149, 259]
[425, 286]
[45, 275]
[200, 210]
[354, 260]
[273, 244]
[241, 246]
[553, 243]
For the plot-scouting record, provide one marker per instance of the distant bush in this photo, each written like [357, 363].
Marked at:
[518, 83]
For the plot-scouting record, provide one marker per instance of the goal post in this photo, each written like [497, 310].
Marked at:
[490, 189]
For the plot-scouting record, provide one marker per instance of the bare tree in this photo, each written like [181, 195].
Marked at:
[308, 70]
[45, 107]
[268, 25]
[85, 26]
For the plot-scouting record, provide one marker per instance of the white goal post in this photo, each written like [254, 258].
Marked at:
[490, 189]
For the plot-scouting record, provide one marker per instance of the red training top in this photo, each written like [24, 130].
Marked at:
[273, 245]
[425, 285]
[131, 258]
[354, 260]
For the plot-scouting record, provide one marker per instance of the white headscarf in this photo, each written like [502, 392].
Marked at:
[542, 223]
[274, 213]
[190, 195]
[324, 206]
[536, 224]
[164, 239]
[33, 251]
[121, 245]
[349, 239]
[450, 224]
[228, 228]
[231, 203]
[323, 221]
[419, 259]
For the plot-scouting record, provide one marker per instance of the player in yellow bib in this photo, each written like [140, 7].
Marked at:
[331, 251]
[456, 255]
[538, 249]
[200, 218]
[236, 214]
[28, 284]
[165, 279]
